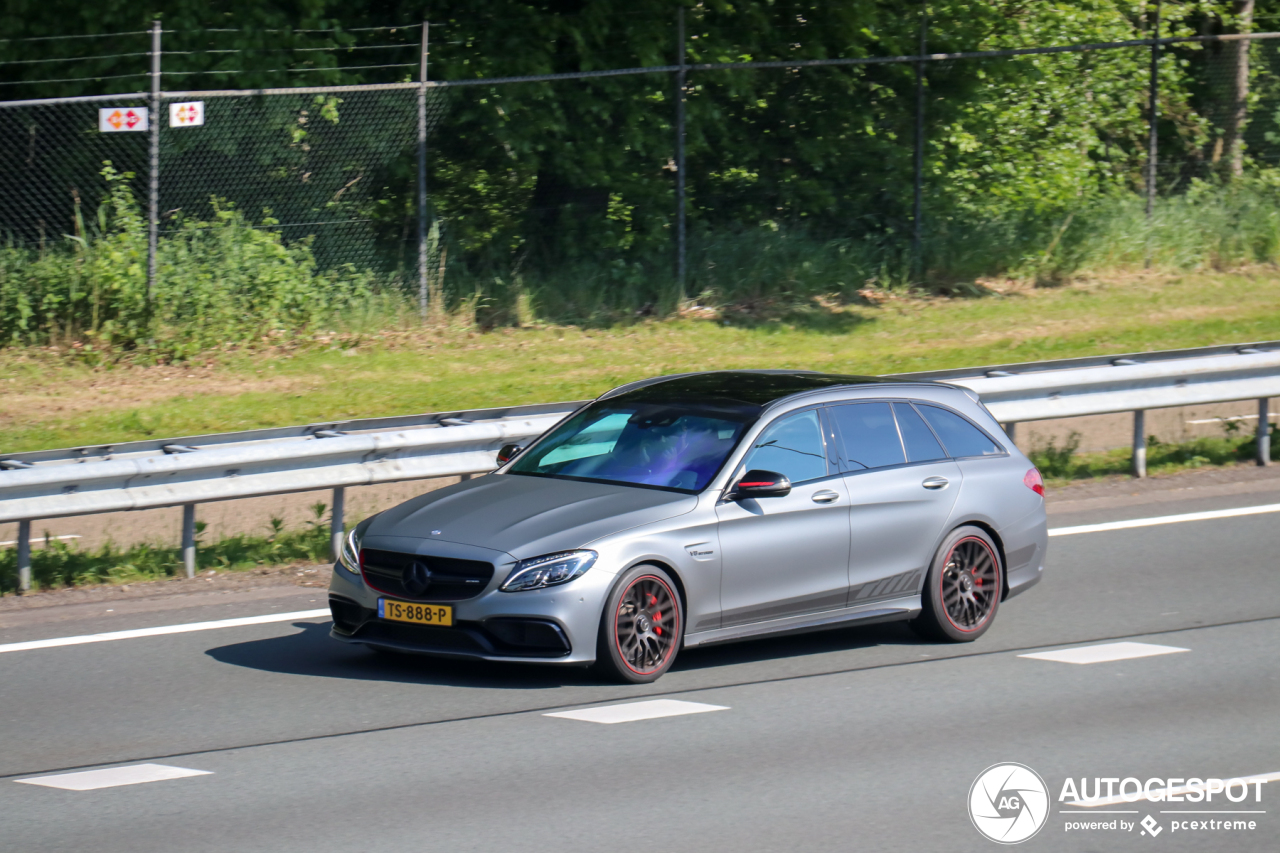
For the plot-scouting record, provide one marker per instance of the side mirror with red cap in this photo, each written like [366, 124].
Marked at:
[760, 484]
[508, 452]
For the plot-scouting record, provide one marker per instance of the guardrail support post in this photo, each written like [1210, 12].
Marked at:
[336, 529]
[189, 539]
[1139, 443]
[24, 556]
[1264, 432]
[1011, 430]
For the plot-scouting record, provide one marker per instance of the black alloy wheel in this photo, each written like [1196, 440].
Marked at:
[641, 627]
[963, 589]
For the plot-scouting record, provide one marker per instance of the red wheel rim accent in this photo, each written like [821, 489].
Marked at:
[646, 624]
[969, 584]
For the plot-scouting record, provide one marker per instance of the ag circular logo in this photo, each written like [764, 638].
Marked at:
[1008, 803]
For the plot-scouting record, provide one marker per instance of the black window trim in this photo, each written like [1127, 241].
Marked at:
[844, 465]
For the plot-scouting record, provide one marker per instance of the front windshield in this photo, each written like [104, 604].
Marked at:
[649, 444]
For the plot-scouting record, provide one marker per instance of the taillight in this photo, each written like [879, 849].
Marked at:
[1033, 481]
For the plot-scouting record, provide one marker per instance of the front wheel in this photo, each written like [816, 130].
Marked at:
[641, 627]
[962, 591]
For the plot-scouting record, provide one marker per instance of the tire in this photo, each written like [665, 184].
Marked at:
[963, 588]
[641, 627]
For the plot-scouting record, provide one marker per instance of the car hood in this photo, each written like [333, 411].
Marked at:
[527, 516]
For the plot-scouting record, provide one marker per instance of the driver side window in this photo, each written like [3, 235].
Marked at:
[792, 447]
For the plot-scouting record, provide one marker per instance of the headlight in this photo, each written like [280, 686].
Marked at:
[349, 557]
[548, 570]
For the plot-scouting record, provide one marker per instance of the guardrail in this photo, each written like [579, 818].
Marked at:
[199, 469]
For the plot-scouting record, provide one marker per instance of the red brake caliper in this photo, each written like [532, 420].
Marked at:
[657, 616]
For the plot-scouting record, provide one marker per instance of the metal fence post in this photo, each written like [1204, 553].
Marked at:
[1139, 443]
[189, 539]
[1011, 430]
[681, 76]
[1264, 432]
[917, 208]
[1153, 116]
[422, 174]
[153, 184]
[24, 555]
[336, 529]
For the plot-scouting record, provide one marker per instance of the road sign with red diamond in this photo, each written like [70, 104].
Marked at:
[186, 114]
[122, 119]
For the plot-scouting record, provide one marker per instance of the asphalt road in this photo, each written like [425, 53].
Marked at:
[861, 739]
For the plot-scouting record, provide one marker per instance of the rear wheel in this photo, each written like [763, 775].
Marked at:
[962, 591]
[641, 627]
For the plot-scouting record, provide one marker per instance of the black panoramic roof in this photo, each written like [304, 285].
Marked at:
[745, 388]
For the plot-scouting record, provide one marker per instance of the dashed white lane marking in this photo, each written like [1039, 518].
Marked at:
[1164, 519]
[1105, 652]
[1158, 795]
[632, 711]
[112, 777]
[157, 632]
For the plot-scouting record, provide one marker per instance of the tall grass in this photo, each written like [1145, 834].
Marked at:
[1212, 226]
[229, 281]
[219, 281]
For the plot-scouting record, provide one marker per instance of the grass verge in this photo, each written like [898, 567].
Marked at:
[59, 564]
[1062, 465]
[52, 398]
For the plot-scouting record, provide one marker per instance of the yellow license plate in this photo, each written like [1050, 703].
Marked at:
[419, 614]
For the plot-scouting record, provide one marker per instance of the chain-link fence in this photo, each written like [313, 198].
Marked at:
[583, 195]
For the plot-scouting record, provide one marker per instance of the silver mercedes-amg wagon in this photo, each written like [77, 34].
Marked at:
[703, 508]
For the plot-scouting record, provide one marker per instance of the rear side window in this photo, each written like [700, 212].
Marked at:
[961, 437]
[921, 444]
[868, 435]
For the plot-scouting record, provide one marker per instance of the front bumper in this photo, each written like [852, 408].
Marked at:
[553, 625]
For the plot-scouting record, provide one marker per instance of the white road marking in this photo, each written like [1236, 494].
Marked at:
[632, 711]
[1164, 519]
[1158, 794]
[44, 539]
[1230, 418]
[157, 632]
[112, 777]
[1105, 652]
[312, 614]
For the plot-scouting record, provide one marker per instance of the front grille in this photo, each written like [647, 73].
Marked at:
[447, 579]
[427, 638]
[505, 637]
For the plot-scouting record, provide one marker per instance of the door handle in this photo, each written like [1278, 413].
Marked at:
[825, 496]
[935, 482]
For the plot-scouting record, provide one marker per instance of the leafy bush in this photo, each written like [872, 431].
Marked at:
[1055, 462]
[219, 281]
